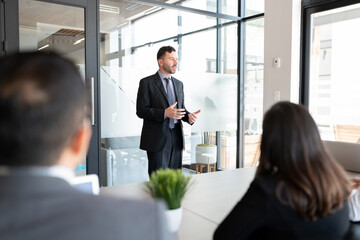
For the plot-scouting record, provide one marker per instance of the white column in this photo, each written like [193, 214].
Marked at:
[282, 41]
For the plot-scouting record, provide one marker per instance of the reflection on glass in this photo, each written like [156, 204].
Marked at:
[229, 50]
[334, 73]
[53, 27]
[198, 55]
[229, 68]
[253, 7]
[192, 22]
[254, 79]
[47, 26]
[229, 7]
[166, 26]
[126, 56]
[207, 5]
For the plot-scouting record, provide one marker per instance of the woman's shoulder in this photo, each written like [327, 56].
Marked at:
[266, 183]
[267, 180]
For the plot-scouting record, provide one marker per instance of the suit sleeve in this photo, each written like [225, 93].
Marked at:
[246, 217]
[185, 118]
[144, 109]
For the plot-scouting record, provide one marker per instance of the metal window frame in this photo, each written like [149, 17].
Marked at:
[309, 7]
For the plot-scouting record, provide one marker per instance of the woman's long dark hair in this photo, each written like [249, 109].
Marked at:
[291, 148]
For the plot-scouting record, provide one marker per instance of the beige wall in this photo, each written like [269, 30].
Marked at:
[282, 40]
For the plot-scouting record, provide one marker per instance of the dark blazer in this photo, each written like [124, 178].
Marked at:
[34, 207]
[150, 106]
[260, 215]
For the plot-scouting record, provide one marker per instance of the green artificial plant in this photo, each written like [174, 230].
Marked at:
[170, 185]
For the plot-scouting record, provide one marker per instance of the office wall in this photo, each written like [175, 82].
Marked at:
[282, 40]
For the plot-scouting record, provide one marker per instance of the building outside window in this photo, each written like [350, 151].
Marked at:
[333, 72]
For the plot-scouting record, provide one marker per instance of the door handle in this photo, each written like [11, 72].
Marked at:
[92, 102]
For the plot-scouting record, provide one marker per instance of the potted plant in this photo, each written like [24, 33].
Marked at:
[206, 152]
[171, 186]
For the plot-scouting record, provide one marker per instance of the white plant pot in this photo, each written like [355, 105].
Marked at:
[206, 155]
[174, 217]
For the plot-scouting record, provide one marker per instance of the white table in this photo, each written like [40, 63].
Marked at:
[209, 199]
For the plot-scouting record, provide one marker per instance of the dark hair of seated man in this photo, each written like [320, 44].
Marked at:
[42, 102]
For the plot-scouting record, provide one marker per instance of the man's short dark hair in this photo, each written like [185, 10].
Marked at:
[163, 50]
[42, 101]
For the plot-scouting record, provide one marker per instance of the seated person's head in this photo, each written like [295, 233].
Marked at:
[42, 105]
[292, 150]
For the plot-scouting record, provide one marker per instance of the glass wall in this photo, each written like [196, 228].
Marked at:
[334, 73]
[54, 27]
[207, 52]
[253, 7]
[254, 84]
[228, 67]
[229, 7]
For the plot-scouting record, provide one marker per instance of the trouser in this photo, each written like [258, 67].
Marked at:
[171, 155]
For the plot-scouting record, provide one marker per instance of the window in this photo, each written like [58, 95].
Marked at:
[207, 49]
[332, 81]
[254, 79]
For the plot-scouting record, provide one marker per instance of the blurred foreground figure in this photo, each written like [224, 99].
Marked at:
[44, 134]
[299, 191]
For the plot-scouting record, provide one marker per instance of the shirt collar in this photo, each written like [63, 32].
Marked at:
[163, 76]
[54, 171]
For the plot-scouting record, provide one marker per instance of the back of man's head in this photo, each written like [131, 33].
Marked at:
[42, 101]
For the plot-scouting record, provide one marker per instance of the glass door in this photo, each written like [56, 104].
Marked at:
[66, 27]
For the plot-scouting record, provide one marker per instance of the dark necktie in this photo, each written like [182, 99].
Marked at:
[171, 99]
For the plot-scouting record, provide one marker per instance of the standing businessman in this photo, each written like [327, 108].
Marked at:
[160, 103]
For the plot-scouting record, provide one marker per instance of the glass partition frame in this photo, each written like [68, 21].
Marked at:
[234, 140]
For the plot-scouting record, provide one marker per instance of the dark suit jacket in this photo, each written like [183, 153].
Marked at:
[34, 207]
[150, 106]
[260, 215]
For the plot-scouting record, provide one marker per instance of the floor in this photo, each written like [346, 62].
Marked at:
[128, 165]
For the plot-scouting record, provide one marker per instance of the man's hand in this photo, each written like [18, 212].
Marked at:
[193, 116]
[175, 113]
[356, 183]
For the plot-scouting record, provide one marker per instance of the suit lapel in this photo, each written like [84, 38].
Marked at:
[160, 85]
